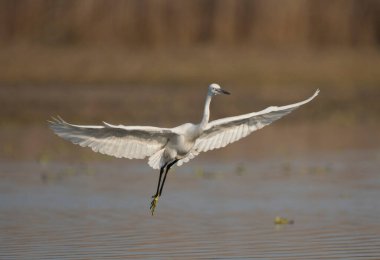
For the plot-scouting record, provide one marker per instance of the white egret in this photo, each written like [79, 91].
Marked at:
[166, 147]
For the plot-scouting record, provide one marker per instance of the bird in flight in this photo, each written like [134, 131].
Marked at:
[167, 147]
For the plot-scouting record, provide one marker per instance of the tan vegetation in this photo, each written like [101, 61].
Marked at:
[195, 67]
[159, 23]
[263, 42]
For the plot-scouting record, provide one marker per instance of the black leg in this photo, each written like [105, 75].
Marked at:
[153, 204]
[155, 197]
[166, 173]
[159, 181]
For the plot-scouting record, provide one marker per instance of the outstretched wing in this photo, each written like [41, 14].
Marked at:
[133, 142]
[222, 132]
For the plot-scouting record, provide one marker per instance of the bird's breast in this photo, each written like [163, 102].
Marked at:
[181, 145]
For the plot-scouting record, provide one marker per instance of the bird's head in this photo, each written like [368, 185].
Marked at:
[215, 89]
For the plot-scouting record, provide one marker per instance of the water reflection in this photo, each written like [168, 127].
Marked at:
[223, 214]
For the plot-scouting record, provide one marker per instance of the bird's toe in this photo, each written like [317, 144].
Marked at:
[153, 204]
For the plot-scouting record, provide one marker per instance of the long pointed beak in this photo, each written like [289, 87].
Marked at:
[222, 91]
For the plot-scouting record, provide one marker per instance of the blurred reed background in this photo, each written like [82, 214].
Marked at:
[168, 23]
[149, 62]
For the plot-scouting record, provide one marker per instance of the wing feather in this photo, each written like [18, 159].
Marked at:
[222, 132]
[116, 140]
[216, 134]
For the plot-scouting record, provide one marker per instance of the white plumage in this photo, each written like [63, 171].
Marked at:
[168, 146]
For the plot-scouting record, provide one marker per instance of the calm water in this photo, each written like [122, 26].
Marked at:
[208, 210]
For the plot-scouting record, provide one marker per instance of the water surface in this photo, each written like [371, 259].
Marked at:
[209, 209]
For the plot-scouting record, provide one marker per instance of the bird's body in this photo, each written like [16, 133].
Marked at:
[166, 147]
[184, 139]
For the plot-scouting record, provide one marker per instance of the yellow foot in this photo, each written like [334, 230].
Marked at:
[153, 204]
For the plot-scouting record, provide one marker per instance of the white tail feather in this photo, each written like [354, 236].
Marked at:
[156, 161]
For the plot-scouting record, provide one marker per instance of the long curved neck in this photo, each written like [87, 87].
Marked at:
[206, 112]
